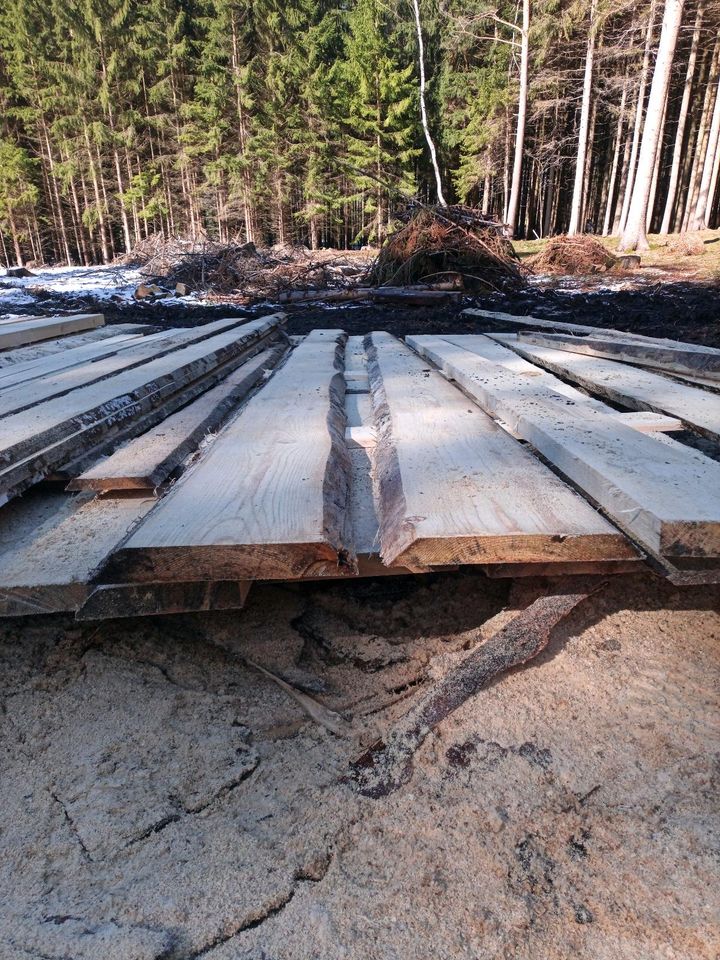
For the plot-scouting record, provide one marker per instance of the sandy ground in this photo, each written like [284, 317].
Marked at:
[162, 799]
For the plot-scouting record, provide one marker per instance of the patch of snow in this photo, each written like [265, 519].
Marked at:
[117, 283]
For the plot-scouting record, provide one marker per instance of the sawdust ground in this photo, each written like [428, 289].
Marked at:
[160, 799]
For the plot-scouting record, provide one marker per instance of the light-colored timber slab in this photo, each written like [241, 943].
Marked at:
[455, 488]
[52, 544]
[683, 358]
[574, 328]
[269, 497]
[38, 441]
[31, 428]
[160, 599]
[23, 373]
[48, 348]
[61, 382]
[641, 389]
[146, 461]
[22, 332]
[666, 500]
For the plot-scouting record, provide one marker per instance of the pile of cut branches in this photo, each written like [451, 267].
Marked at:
[241, 270]
[573, 255]
[438, 243]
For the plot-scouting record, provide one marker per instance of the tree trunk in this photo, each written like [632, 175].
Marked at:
[701, 140]
[15, 237]
[713, 189]
[615, 162]
[514, 202]
[577, 197]
[698, 220]
[423, 112]
[637, 128]
[656, 171]
[634, 235]
[682, 122]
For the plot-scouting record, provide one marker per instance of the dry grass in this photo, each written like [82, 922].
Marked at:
[663, 253]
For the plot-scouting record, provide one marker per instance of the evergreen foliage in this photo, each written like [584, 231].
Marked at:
[299, 121]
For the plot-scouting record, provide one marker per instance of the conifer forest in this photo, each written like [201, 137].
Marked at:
[308, 121]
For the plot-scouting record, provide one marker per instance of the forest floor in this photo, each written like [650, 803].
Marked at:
[669, 295]
[163, 800]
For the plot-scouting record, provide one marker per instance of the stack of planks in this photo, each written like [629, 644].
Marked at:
[22, 332]
[336, 458]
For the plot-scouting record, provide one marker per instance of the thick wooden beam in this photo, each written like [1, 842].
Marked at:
[111, 601]
[60, 382]
[51, 545]
[666, 499]
[640, 389]
[147, 460]
[455, 488]
[37, 441]
[682, 358]
[269, 498]
[22, 332]
[47, 348]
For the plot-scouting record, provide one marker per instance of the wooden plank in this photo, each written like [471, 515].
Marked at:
[683, 358]
[47, 348]
[268, 499]
[455, 488]
[23, 332]
[500, 571]
[146, 461]
[160, 599]
[526, 323]
[630, 386]
[668, 501]
[39, 440]
[51, 545]
[20, 373]
[59, 383]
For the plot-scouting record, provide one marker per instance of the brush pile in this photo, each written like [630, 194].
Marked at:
[242, 271]
[439, 243]
[573, 255]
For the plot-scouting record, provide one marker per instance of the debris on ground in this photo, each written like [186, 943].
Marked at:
[573, 255]
[438, 243]
[242, 270]
[387, 764]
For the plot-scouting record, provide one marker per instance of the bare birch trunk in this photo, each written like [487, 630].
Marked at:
[514, 202]
[698, 219]
[423, 112]
[634, 235]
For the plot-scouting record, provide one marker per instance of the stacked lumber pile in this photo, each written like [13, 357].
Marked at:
[203, 460]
